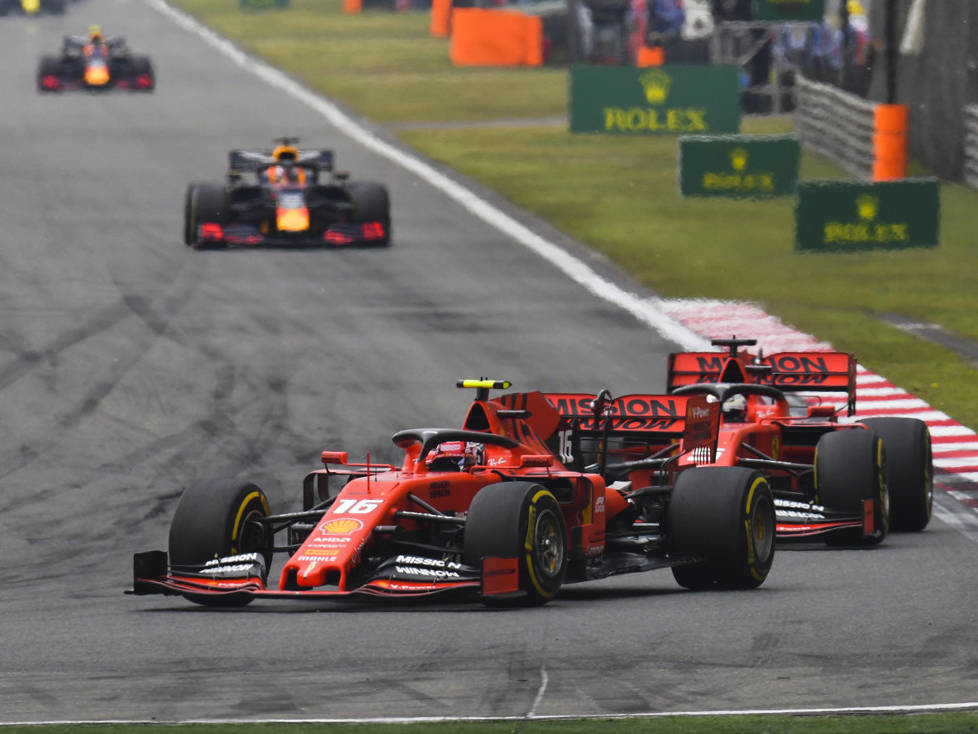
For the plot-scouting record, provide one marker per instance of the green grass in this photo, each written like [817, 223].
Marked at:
[948, 723]
[620, 194]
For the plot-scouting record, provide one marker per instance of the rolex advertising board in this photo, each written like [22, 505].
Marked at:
[738, 165]
[834, 215]
[262, 4]
[676, 99]
[789, 10]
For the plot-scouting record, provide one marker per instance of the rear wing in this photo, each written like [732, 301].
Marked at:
[787, 371]
[640, 420]
[247, 161]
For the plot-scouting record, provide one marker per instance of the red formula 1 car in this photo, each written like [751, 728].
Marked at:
[846, 483]
[286, 196]
[95, 63]
[487, 509]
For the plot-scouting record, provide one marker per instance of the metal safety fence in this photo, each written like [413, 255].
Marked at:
[836, 124]
[971, 145]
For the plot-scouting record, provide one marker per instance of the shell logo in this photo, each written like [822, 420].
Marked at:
[343, 526]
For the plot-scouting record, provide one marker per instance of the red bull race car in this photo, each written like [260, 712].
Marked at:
[846, 483]
[488, 509]
[95, 63]
[33, 7]
[286, 196]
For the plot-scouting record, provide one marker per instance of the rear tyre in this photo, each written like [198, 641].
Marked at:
[849, 468]
[140, 65]
[49, 66]
[219, 518]
[519, 520]
[205, 202]
[909, 470]
[724, 516]
[371, 203]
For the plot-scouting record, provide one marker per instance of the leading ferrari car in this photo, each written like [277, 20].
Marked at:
[96, 63]
[488, 509]
[285, 196]
[844, 483]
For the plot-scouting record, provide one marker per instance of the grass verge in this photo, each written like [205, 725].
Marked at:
[620, 194]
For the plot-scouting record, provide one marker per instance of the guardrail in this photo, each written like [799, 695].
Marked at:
[971, 145]
[836, 124]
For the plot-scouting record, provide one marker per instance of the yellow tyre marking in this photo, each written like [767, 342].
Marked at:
[236, 529]
[751, 552]
[528, 543]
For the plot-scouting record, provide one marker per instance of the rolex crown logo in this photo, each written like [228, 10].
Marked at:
[738, 159]
[655, 83]
[867, 206]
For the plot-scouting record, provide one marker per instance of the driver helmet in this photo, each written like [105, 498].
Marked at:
[735, 409]
[457, 456]
[95, 34]
[285, 153]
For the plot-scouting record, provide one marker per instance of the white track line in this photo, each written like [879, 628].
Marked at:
[914, 709]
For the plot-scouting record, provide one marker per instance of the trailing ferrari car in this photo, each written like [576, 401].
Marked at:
[95, 63]
[33, 7]
[488, 509]
[285, 196]
[844, 483]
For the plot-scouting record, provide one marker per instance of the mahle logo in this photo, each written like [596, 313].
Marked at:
[656, 84]
[738, 159]
[867, 207]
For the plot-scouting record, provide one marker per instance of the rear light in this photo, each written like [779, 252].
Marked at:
[144, 81]
[372, 230]
[50, 81]
[337, 238]
[211, 231]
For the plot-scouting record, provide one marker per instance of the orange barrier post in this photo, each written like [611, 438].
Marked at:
[352, 6]
[890, 141]
[650, 56]
[483, 37]
[441, 18]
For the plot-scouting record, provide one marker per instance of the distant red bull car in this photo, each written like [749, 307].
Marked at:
[289, 197]
[33, 7]
[95, 63]
[488, 509]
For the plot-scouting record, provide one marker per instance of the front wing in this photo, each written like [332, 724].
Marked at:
[804, 521]
[337, 234]
[152, 575]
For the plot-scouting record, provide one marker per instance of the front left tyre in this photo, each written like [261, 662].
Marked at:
[215, 519]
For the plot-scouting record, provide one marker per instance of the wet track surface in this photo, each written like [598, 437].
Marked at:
[130, 365]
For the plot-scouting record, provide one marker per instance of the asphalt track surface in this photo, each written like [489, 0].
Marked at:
[130, 365]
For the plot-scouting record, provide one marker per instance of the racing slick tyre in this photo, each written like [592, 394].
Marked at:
[141, 66]
[519, 520]
[205, 202]
[55, 7]
[372, 204]
[725, 516]
[215, 519]
[50, 66]
[909, 470]
[849, 469]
